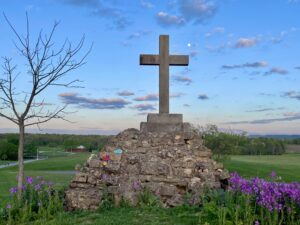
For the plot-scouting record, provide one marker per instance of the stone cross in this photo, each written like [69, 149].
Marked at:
[164, 60]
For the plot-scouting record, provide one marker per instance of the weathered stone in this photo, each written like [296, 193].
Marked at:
[175, 200]
[112, 167]
[168, 164]
[94, 163]
[92, 180]
[175, 181]
[154, 168]
[80, 185]
[81, 178]
[88, 198]
[167, 190]
[195, 184]
[164, 118]
[204, 154]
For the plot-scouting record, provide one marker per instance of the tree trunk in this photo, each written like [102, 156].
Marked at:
[20, 158]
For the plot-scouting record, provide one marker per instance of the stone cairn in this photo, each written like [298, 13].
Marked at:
[169, 164]
[166, 156]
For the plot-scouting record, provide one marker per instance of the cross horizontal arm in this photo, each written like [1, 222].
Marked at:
[149, 59]
[178, 60]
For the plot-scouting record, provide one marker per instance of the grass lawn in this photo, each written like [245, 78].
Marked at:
[3, 162]
[42, 168]
[130, 216]
[52, 151]
[287, 166]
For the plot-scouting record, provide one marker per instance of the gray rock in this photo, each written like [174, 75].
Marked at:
[167, 163]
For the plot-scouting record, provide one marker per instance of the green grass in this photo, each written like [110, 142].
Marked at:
[130, 216]
[53, 151]
[3, 162]
[286, 166]
[42, 168]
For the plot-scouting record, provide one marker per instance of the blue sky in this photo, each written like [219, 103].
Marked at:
[244, 70]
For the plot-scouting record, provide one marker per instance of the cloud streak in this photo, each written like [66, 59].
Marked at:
[183, 79]
[147, 4]
[266, 121]
[187, 11]
[259, 64]
[217, 30]
[203, 97]
[102, 10]
[277, 70]
[197, 11]
[92, 103]
[125, 93]
[166, 20]
[265, 109]
[246, 43]
[144, 107]
[150, 97]
[292, 94]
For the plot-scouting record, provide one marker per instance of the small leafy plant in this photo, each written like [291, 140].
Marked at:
[39, 200]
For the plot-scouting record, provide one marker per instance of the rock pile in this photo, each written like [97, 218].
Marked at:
[169, 164]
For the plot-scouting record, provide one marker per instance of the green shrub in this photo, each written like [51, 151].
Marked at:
[8, 151]
[222, 143]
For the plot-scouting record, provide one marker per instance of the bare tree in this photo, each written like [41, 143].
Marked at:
[46, 67]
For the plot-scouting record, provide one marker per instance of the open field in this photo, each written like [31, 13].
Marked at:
[287, 166]
[292, 148]
[55, 169]
[52, 152]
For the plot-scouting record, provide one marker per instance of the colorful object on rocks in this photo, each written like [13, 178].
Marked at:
[104, 163]
[118, 151]
[106, 158]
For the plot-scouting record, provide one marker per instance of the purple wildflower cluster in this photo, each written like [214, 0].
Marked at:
[271, 195]
[38, 183]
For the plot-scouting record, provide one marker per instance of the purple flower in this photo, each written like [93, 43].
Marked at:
[136, 185]
[273, 175]
[50, 184]
[256, 222]
[43, 182]
[13, 190]
[8, 206]
[29, 180]
[37, 187]
[270, 195]
[104, 177]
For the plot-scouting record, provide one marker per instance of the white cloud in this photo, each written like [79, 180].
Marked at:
[168, 20]
[246, 43]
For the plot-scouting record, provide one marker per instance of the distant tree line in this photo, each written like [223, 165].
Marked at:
[295, 141]
[222, 143]
[9, 143]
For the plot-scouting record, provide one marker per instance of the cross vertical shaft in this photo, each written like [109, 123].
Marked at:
[164, 74]
[164, 60]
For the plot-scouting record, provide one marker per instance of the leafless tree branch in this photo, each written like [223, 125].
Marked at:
[47, 67]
